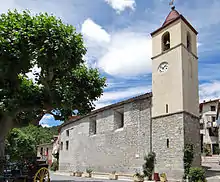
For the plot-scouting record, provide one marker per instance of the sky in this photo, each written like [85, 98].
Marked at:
[117, 37]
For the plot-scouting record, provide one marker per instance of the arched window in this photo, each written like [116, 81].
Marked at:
[166, 41]
[188, 41]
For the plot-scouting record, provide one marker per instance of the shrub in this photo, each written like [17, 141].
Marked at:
[197, 174]
[207, 150]
[148, 166]
[54, 166]
[188, 158]
[89, 170]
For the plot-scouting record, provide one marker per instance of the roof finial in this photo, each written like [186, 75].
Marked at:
[172, 4]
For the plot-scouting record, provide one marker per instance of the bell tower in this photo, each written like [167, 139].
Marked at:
[175, 102]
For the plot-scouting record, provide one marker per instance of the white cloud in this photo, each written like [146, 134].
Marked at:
[128, 54]
[47, 117]
[101, 104]
[121, 5]
[122, 53]
[112, 96]
[209, 90]
[45, 125]
[94, 32]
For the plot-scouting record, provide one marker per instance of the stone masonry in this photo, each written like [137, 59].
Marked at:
[169, 146]
[110, 149]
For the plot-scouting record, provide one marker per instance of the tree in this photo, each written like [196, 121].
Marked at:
[63, 84]
[188, 158]
[39, 134]
[149, 164]
[20, 146]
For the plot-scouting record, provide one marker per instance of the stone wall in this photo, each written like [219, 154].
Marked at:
[169, 135]
[109, 149]
[167, 143]
[192, 136]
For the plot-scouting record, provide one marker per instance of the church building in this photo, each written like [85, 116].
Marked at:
[118, 136]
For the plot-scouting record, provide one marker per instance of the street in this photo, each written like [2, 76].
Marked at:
[61, 178]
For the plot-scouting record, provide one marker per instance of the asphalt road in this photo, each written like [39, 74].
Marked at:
[61, 178]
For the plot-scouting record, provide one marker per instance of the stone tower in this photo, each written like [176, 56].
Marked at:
[175, 102]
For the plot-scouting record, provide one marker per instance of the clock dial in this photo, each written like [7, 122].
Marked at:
[163, 67]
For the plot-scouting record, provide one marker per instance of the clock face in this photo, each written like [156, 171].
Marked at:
[163, 67]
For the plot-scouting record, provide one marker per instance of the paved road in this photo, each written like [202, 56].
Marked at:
[61, 178]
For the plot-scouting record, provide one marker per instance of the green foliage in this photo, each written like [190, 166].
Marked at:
[21, 143]
[216, 149]
[89, 170]
[54, 166]
[149, 164]
[188, 158]
[40, 134]
[20, 146]
[207, 150]
[139, 175]
[64, 83]
[197, 174]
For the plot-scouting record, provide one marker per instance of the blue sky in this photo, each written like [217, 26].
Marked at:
[116, 34]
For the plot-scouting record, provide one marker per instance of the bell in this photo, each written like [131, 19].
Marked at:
[167, 43]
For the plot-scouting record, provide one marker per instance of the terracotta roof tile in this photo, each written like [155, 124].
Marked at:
[173, 15]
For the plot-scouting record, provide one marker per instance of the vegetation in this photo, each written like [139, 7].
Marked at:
[197, 174]
[138, 177]
[62, 84]
[149, 164]
[89, 170]
[54, 166]
[20, 146]
[40, 134]
[188, 158]
[163, 177]
[207, 150]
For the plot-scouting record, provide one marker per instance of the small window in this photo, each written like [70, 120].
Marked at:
[47, 151]
[213, 119]
[166, 41]
[213, 108]
[201, 126]
[61, 145]
[188, 40]
[67, 132]
[67, 145]
[41, 151]
[92, 126]
[119, 118]
[168, 143]
[167, 109]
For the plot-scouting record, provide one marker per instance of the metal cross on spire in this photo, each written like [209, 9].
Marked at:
[172, 4]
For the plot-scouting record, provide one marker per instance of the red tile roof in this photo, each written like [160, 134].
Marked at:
[173, 15]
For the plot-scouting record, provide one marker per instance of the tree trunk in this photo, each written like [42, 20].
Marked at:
[2, 151]
[6, 124]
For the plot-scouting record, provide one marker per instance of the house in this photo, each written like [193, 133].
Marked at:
[209, 127]
[45, 151]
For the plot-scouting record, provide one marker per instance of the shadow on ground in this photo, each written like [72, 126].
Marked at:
[212, 173]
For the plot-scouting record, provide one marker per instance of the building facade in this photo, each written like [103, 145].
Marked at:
[209, 126]
[117, 137]
[45, 151]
